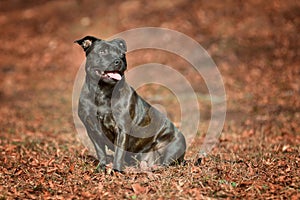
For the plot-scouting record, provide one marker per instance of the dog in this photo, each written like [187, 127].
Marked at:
[115, 116]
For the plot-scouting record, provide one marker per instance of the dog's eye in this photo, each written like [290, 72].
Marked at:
[122, 55]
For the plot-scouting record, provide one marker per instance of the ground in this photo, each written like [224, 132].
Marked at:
[255, 46]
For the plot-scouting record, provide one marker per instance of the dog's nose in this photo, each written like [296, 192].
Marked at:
[117, 62]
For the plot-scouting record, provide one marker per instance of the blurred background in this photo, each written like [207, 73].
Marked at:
[255, 45]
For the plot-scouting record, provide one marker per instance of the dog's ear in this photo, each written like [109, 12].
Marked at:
[86, 42]
[120, 43]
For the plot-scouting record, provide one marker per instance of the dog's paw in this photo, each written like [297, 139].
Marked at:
[116, 171]
[100, 167]
[113, 172]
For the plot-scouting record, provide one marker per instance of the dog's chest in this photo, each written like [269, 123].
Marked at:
[104, 113]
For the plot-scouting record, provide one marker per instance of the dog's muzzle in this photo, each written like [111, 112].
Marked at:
[115, 73]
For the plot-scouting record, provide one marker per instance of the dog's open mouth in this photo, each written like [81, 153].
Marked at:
[116, 75]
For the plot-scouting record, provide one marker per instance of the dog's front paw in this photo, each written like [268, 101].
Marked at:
[113, 172]
[118, 169]
[100, 167]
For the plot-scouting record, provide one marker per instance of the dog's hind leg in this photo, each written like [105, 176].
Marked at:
[120, 151]
[174, 152]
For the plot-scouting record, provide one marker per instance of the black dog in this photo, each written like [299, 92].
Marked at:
[117, 117]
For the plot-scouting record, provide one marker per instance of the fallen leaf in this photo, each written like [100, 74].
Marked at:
[138, 189]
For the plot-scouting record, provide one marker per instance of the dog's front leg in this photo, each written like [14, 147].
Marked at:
[97, 138]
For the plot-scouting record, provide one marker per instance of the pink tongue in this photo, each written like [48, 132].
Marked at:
[114, 75]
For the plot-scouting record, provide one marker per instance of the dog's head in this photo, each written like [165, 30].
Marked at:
[105, 60]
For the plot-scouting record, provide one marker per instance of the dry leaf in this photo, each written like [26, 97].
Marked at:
[138, 189]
